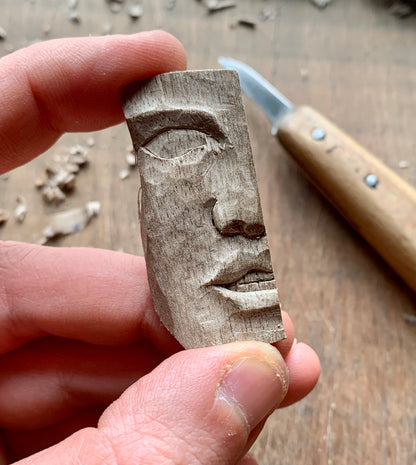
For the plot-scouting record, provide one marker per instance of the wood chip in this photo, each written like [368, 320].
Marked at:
[245, 22]
[4, 216]
[20, 211]
[218, 5]
[3, 34]
[61, 178]
[70, 221]
[90, 142]
[74, 17]
[46, 29]
[124, 174]
[321, 4]
[78, 155]
[53, 194]
[135, 11]
[267, 14]
[131, 160]
[115, 5]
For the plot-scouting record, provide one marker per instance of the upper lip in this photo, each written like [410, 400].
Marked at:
[242, 265]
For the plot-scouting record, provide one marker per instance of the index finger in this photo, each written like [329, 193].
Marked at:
[67, 85]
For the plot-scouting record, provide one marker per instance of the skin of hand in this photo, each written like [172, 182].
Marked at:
[87, 373]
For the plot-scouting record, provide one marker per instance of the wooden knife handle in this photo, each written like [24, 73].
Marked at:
[385, 214]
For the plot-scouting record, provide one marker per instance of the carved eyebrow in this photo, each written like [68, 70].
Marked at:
[148, 125]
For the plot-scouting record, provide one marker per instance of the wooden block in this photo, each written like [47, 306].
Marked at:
[207, 255]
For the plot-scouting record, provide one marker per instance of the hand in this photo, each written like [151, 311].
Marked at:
[77, 326]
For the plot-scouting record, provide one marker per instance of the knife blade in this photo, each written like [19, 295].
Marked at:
[377, 202]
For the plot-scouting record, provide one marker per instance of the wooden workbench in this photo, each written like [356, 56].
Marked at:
[354, 62]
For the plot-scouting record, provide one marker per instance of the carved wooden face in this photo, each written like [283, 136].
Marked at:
[206, 250]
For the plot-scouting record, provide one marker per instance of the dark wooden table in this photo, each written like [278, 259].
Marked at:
[354, 62]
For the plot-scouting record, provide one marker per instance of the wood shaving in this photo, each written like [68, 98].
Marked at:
[217, 5]
[20, 211]
[46, 29]
[70, 221]
[107, 29]
[403, 164]
[53, 194]
[321, 4]
[4, 216]
[115, 5]
[124, 174]
[304, 74]
[267, 14]
[61, 177]
[135, 11]
[250, 23]
[90, 142]
[131, 160]
[74, 17]
[3, 34]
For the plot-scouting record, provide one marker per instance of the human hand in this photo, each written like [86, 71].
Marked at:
[77, 326]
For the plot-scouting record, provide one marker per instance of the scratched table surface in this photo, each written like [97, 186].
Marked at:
[356, 63]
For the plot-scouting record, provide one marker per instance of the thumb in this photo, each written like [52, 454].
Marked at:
[198, 407]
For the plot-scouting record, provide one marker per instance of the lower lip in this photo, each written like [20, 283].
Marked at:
[249, 301]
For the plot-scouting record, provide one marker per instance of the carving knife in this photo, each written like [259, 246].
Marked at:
[377, 202]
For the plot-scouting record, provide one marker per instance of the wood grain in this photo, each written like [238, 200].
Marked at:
[356, 64]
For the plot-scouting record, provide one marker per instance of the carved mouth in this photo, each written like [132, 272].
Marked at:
[253, 281]
[254, 291]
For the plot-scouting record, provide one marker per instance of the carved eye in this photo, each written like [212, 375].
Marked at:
[176, 143]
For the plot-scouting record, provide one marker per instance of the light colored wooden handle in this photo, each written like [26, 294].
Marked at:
[385, 214]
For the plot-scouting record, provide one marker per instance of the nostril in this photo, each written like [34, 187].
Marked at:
[231, 217]
[254, 230]
[238, 227]
[233, 228]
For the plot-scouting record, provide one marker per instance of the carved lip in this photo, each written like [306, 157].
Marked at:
[242, 270]
[249, 283]
[252, 281]
[250, 300]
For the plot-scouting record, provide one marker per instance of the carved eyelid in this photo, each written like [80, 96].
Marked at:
[182, 141]
[176, 128]
[149, 124]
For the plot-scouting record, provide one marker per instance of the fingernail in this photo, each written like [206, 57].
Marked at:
[255, 387]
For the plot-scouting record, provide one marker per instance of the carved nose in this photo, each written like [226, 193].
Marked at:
[233, 217]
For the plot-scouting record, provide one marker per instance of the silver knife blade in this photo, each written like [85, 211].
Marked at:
[272, 102]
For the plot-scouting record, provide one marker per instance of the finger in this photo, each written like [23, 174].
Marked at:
[284, 346]
[248, 460]
[3, 454]
[304, 370]
[21, 444]
[184, 411]
[51, 379]
[93, 295]
[73, 85]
